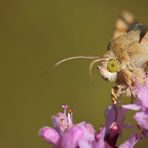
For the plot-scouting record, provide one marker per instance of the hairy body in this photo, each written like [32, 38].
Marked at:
[126, 60]
[128, 52]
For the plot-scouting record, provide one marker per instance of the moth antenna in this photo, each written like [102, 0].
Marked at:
[92, 64]
[74, 58]
[68, 59]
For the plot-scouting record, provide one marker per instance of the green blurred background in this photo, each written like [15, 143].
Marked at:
[34, 35]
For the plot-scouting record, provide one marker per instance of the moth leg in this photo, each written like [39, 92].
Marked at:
[113, 96]
[115, 101]
[117, 91]
[132, 100]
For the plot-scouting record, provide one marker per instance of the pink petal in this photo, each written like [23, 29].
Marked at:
[71, 137]
[49, 134]
[142, 119]
[88, 136]
[100, 140]
[130, 143]
[132, 107]
[111, 114]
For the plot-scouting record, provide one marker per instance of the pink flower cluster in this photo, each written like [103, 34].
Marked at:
[140, 106]
[66, 134]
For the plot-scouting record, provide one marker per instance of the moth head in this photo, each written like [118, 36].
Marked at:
[108, 66]
[108, 69]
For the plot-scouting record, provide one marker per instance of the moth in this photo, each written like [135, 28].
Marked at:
[126, 59]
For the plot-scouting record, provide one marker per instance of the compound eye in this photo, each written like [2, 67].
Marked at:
[112, 66]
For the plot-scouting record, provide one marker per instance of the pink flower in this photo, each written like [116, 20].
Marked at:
[67, 135]
[141, 91]
[140, 105]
